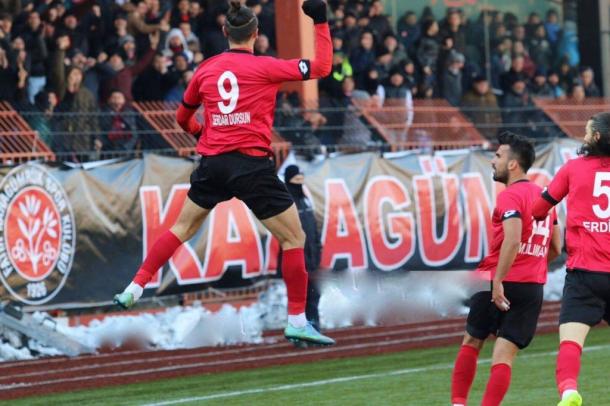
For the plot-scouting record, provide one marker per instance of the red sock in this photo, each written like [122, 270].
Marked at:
[463, 373]
[497, 386]
[295, 277]
[161, 251]
[568, 366]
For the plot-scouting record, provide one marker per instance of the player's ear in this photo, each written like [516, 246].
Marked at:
[255, 35]
[596, 136]
[224, 31]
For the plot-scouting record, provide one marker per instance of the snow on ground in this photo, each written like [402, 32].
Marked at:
[356, 297]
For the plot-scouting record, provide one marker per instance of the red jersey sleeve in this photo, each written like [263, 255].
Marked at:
[559, 186]
[282, 70]
[508, 205]
[191, 97]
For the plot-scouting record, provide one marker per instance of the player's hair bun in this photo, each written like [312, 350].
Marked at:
[241, 22]
[234, 6]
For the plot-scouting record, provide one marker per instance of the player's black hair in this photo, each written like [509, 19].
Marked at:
[241, 22]
[600, 123]
[520, 147]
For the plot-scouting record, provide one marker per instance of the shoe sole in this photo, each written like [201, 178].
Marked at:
[305, 343]
[120, 304]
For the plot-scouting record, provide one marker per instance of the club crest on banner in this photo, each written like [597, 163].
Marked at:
[37, 234]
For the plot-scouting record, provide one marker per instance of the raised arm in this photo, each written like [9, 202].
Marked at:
[281, 70]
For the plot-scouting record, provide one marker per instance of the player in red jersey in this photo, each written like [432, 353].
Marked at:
[517, 267]
[585, 182]
[238, 92]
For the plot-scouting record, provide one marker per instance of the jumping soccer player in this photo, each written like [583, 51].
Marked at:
[517, 265]
[585, 181]
[238, 92]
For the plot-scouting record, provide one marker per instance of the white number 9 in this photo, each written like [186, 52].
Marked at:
[231, 96]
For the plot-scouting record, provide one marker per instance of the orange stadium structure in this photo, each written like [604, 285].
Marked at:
[570, 115]
[18, 142]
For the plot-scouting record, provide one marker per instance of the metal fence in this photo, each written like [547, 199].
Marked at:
[362, 126]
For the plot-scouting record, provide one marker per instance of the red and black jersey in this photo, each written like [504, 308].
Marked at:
[585, 181]
[238, 92]
[530, 265]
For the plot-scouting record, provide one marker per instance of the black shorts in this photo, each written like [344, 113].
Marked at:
[517, 325]
[250, 179]
[586, 298]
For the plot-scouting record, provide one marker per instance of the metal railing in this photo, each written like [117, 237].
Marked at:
[151, 127]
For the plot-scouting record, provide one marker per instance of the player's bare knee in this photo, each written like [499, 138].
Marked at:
[293, 239]
[472, 342]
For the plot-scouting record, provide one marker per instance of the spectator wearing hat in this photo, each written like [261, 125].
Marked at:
[351, 32]
[481, 106]
[539, 87]
[518, 114]
[294, 180]
[115, 75]
[553, 81]
[175, 43]
[452, 78]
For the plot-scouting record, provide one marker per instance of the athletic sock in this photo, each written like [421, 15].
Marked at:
[295, 277]
[463, 373]
[297, 320]
[568, 366]
[161, 251]
[497, 386]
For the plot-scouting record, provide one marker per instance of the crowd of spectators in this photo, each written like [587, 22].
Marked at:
[87, 56]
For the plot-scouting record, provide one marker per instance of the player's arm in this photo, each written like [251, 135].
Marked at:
[185, 115]
[552, 194]
[512, 227]
[555, 247]
[281, 70]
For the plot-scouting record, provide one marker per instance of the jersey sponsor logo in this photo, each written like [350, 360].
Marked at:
[37, 234]
[304, 68]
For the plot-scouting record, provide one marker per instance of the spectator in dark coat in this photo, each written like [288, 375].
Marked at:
[363, 58]
[379, 23]
[452, 79]
[517, 103]
[587, 79]
[409, 31]
[154, 83]
[540, 87]
[294, 180]
[428, 47]
[36, 48]
[507, 79]
[481, 106]
[453, 28]
[540, 48]
[119, 132]
[118, 76]
[214, 41]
